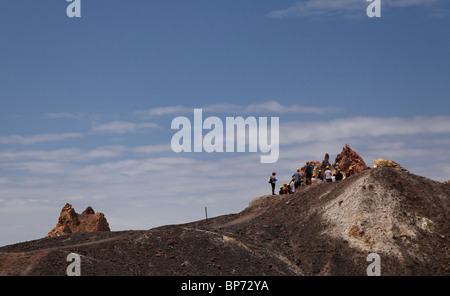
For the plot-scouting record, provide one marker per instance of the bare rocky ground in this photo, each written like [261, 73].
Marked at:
[323, 229]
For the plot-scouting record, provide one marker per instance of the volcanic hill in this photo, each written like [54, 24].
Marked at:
[322, 229]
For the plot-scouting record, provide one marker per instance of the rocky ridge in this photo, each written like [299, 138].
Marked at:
[323, 229]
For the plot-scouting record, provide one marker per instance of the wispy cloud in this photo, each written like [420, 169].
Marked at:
[41, 155]
[319, 8]
[406, 3]
[93, 118]
[121, 127]
[275, 107]
[162, 111]
[76, 155]
[269, 107]
[39, 138]
[77, 116]
[151, 149]
[342, 8]
[347, 128]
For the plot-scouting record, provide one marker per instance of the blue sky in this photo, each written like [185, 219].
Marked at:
[86, 103]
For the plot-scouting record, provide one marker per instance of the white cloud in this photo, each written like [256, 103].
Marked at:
[160, 111]
[37, 167]
[344, 8]
[150, 149]
[258, 108]
[40, 138]
[75, 155]
[77, 116]
[347, 128]
[102, 152]
[270, 107]
[319, 8]
[93, 118]
[122, 127]
[406, 3]
[55, 155]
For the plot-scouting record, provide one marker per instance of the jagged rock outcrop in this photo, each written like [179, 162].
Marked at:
[380, 162]
[325, 162]
[70, 222]
[348, 158]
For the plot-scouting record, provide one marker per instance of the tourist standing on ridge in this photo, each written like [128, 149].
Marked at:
[292, 185]
[297, 177]
[272, 181]
[328, 174]
[339, 175]
[308, 173]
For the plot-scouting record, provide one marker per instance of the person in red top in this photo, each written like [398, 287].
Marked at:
[350, 172]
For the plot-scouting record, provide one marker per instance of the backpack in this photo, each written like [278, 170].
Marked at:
[270, 179]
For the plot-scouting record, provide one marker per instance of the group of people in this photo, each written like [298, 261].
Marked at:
[297, 179]
[287, 188]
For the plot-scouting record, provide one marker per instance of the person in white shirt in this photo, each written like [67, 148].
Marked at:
[272, 180]
[328, 174]
[292, 185]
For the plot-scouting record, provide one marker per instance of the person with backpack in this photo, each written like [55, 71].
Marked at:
[339, 175]
[272, 180]
[308, 173]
